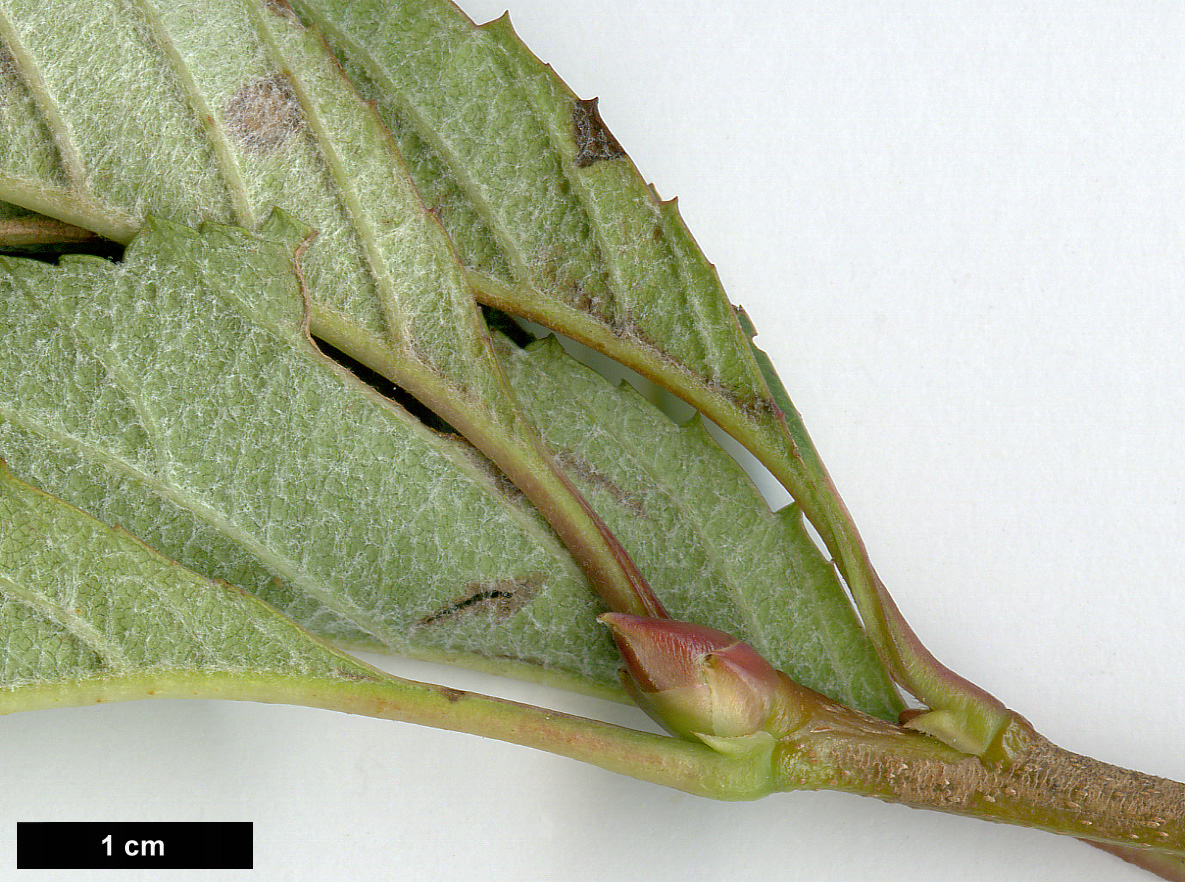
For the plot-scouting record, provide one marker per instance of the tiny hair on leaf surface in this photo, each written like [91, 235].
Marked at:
[972, 251]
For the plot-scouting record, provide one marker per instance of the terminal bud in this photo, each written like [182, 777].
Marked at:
[700, 682]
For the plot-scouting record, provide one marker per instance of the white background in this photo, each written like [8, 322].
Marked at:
[959, 230]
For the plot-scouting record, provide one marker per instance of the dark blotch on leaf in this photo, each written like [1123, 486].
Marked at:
[263, 113]
[281, 8]
[500, 598]
[578, 467]
[594, 141]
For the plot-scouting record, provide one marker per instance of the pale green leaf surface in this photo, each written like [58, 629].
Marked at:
[116, 497]
[256, 144]
[218, 111]
[702, 532]
[545, 200]
[155, 370]
[436, 79]
[432, 341]
[27, 145]
[256, 113]
[101, 156]
[151, 393]
[555, 222]
[83, 605]
[587, 247]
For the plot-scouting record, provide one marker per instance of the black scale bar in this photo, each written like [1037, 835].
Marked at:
[167, 845]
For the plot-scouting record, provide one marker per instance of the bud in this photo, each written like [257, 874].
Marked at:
[701, 682]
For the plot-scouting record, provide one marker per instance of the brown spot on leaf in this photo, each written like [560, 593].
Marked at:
[587, 291]
[594, 141]
[450, 694]
[578, 467]
[281, 7]
[497, 598]
[263, 113]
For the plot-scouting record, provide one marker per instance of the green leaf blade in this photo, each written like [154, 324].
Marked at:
[100, 138]
[432, 341]
[84, 601]
[198, 414]
[585, 239]
[582, 231]
[340, 494]
[631, 282]
[246, 110]
[690, 517]
[586, 247]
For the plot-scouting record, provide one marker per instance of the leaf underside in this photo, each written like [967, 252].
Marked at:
[557, 208]
[223, 409]
[555, 222]
[699, 528]
[200, 416]
[221, 437]
[88, 608]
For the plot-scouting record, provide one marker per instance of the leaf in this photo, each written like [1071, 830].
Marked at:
[252, 111]
[913, 868]
[590, 251]
[249, 104]
[701, 531]
[247, 112]
[177, 394]
[552, 218]
[155, 373]
[630, 267]
[92, 614]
